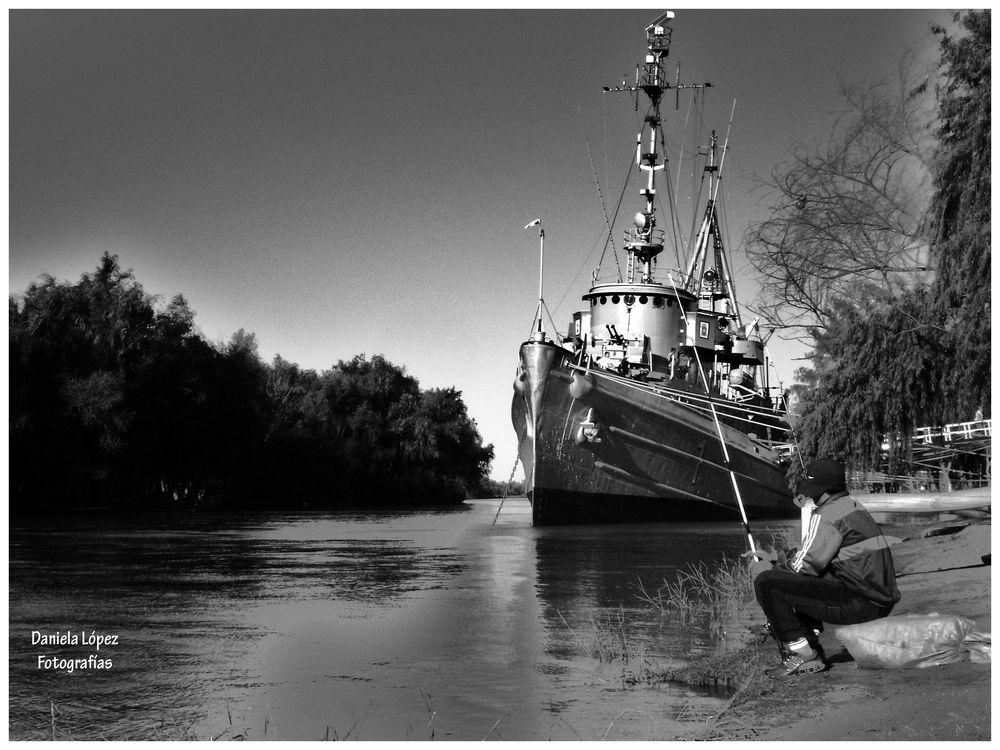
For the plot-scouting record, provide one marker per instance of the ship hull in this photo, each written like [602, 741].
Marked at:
[598, 449]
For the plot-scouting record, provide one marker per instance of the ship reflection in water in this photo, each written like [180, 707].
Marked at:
[590, 577]
[414, 625]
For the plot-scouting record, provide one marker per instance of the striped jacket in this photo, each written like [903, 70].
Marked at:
[843, 541]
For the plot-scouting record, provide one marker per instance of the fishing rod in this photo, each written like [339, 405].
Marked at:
[718, 432]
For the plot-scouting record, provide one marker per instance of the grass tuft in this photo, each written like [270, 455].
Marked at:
[722, 596]
[610, 641]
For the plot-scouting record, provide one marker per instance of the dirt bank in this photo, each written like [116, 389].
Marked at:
[946, 574]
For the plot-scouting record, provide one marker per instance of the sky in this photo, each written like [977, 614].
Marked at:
[342, 182]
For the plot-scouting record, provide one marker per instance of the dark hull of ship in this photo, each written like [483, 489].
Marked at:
[648, 458]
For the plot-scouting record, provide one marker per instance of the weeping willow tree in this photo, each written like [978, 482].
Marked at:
[876, 374]
[885, 365]
[961, 217]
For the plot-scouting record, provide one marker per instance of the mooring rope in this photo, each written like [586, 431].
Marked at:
[506, 488]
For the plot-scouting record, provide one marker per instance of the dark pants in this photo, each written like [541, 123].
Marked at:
[796, 604]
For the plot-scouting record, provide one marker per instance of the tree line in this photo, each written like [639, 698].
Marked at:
[877, 251]
[118, 402]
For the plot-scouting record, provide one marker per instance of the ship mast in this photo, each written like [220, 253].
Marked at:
[644, 242]
[712, 282]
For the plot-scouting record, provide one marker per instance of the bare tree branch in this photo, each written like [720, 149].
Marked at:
[848, 217]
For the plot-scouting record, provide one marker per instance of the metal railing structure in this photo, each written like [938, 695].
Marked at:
[934, 451]
[982, 428]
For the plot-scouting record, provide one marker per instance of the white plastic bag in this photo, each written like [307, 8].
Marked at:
[978, 646]
[917, 641]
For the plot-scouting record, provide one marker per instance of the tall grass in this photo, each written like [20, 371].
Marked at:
[721, 595]
[609, 639]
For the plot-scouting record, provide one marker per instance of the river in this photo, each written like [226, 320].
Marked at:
[415, 625]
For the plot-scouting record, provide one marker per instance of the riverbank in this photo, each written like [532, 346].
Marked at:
[942, 567]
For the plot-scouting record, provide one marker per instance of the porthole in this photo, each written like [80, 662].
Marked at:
[629, 299]
[643, 299]
[657, 301]
[670, 302]
[604, 300]
[615, 299]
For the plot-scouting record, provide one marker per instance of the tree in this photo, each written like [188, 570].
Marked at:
[449, 450]
[172, 454]
[116, 401]
[847, 220]
[364, 433]
[72, 347]
[921, 356]
[960, 213]
[397, 443]
[876, 375]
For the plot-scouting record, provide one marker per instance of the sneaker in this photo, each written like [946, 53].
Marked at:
[796, 664]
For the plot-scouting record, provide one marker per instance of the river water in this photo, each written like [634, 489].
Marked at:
[374, 626]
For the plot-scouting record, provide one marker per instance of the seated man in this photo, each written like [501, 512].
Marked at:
[842, 574]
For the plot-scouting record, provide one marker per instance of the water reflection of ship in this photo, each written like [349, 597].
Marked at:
[658, 401]
[586, 579]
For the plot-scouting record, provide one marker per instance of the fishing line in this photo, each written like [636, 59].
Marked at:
[600, 194]
[614, 218]
[583, 265]
[672, 202]
[680, 162]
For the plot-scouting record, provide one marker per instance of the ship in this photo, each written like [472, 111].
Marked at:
[657, 402]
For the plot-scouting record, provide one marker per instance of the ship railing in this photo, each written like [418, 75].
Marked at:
[635, 236]
[753, 416]
[610, 276]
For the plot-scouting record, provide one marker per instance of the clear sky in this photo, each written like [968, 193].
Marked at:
[348, 181]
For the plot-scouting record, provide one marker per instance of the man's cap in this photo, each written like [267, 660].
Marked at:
[823, 475]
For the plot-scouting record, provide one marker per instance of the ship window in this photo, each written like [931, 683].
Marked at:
[670, 302]
[615, 299]
[657, 301]
[643, 299]
[629, 299]
[593, 301]
[604, 300]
